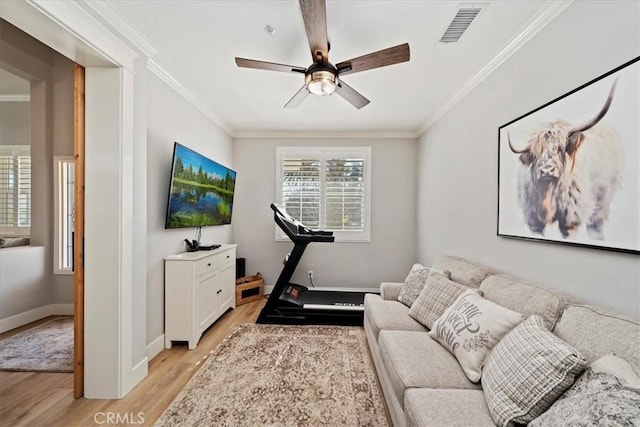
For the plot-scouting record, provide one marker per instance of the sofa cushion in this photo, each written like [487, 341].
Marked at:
[471, 327]
[413, 359]
[384, 314]
[438, 295]
[415, 282]
[527, 371]
[596, 332]
[523, 297]
[446, 408]
[603, 395]
[463, 271]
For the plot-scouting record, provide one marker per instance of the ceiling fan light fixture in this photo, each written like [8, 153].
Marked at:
[321, 82]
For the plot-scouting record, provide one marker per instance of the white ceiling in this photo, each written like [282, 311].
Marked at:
[195, 43]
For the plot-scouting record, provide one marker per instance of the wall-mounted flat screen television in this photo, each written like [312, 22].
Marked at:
[201, 192]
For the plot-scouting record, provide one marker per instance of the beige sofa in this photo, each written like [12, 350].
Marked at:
[424, 385]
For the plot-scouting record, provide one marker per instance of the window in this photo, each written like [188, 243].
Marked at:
[64, 186]
[15, 190]
[326, 188]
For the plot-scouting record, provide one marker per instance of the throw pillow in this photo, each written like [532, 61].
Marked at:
[436, 296]
[527, 371]
[414, 283]
[619, 368]
[471, 327]
[601, 396]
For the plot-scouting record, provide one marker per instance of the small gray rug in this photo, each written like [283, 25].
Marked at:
[47, 347]
[270, 375]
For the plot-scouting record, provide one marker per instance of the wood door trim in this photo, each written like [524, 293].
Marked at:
[78, 257]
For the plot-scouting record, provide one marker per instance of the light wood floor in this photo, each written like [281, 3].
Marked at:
[46, 399]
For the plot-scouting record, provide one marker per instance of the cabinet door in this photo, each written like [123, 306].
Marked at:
[227, 283]
[205, 302]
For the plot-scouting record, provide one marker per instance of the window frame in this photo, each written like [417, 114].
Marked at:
[61, 233]
[323, 154]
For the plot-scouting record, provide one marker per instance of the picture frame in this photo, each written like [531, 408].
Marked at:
[569, 170]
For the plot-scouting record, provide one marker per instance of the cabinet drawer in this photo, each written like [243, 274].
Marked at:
[205, 265]
[226, 259]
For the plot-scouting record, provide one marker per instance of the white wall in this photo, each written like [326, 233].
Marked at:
[387, 257]
[457, 157]
[171, 118]
[15, 122]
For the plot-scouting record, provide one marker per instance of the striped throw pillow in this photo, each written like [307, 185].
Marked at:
[437, 295]
[527, 371]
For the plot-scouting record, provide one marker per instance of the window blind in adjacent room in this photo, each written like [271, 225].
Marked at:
[15, 190]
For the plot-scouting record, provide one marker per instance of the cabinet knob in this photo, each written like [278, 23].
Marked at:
[209, 265]
[228, 256]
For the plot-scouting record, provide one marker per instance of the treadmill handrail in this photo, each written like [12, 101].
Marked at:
[297, 231]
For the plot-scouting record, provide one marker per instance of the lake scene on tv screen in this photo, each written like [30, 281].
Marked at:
[201, 191]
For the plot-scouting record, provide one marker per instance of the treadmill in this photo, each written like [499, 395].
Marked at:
[294, 304]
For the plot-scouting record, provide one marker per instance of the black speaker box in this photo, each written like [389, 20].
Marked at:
[240, 267]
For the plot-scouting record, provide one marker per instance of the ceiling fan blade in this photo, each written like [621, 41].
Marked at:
[263, 65]
[314, 14]
[297, 99]
[352, 96]
[381, 58]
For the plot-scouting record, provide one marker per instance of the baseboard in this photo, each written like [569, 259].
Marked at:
[155, 347]
[138, 373]
[21, 319]
[61, 309]
[268, 289]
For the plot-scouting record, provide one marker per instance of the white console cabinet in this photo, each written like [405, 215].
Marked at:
[199, 288]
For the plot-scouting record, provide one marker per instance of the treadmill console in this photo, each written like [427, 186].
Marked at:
[296, 230]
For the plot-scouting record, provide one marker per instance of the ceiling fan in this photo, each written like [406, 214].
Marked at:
[322, 77]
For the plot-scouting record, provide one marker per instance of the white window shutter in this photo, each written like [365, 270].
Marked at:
[345, 194]
[7, 185]
[24, 191]
[15, 189]
[301, 189]
[326, 188]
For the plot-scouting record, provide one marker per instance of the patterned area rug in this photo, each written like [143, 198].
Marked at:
[47, 347]
[271, 375]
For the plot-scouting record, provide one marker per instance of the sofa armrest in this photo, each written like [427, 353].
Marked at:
[389, 290]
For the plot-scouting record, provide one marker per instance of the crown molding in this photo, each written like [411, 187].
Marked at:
[86, 40]
[325, 135]
[541, 20]
[111, 18]
[167, 78]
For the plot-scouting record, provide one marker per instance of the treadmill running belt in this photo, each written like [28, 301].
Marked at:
[333, 298]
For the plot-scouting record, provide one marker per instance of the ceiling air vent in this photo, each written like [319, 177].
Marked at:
[464, 17]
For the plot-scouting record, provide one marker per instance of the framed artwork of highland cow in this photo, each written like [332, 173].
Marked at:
[569, 171]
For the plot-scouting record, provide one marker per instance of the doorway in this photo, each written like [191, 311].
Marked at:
[53, 99]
